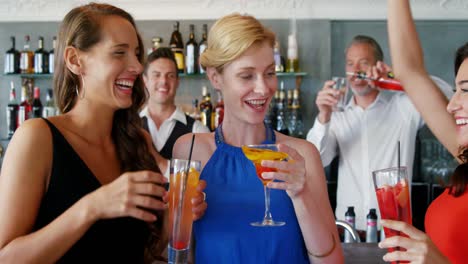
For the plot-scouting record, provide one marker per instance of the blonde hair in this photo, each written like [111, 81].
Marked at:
[230, 37]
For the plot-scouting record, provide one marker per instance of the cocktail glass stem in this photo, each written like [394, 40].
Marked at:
[267, 218]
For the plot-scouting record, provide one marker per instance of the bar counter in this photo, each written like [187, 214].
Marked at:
[363, 253]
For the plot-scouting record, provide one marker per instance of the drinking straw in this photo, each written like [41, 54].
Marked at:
[399, 165]
[184, 187]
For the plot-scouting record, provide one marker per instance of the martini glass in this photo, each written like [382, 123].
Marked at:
[258, 153]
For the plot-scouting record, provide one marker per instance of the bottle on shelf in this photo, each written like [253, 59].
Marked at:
[270, 117]
[36, 103]
[292, 63]
[195, 113]
[206, 109]
[177, 47]
[12, 58]
[388, 83]
[281, 114]
[24, 111]
[41, 58]
[49, 108]
[52, 55]
[350, 218]
[202, 47]
[279, 60]
[12, 111]
[156, 43]
[219, 110]
[371, 232]
[295, 123]
[191, 50]
[26, 57]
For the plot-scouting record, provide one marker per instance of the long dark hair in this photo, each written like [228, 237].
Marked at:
[459, 179]
[81, 29]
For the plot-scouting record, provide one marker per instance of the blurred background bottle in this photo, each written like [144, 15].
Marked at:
[12, 58]
[206, 109]
[295, 122]
[350, 218]
[292, 63]
[49, 108]
[281, 114]
[156, 43]
[52, 55]
[25, 108]
[219, 110]
[41, 58]
[279, 60]
[195, 111]
[191, 50]
[202, 47]
[371, 232]
[26, 57]
[12, 112]
[36, 103]
[177, 47]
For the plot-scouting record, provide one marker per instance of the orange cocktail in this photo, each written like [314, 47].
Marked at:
[258, 153]
[181, 191]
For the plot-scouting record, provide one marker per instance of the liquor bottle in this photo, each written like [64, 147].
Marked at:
[292, 63]
[206, 109]
[371, 232]
[26, 57]
[202, 47]
[49, 108]
[279, 60]
[219, 110]
[156, 44]
[41, 58]
[270, 117]
[281, 114]
[350, 217]
[25, 108]
[389, 83]
[36, 103]
[12, 59]
[12, 111]
[191, 50]
[295, 123]
[195, 113]
[177, 47]
[52, 55]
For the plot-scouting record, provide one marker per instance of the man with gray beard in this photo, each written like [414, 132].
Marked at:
[365, 134]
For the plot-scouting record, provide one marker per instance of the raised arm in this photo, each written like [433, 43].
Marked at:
[408, 64]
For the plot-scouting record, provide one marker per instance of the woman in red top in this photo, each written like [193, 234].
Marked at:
[446, 240]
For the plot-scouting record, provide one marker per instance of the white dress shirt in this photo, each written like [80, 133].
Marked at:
[367, 140]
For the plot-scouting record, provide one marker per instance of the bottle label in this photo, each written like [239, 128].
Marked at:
[371, 223]
[38, 58]
[180, 60]
[201, 50]
[190, 59]
[350, 220]
[9, 63]
[22, 115]
[51, 63]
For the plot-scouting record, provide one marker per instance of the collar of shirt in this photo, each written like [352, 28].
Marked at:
[383, 97]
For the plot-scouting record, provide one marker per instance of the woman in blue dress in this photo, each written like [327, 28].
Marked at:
[239, 63]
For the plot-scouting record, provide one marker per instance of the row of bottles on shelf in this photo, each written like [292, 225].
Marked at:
[371, 230]
[284, 113]
[17, 112]
[187, 57]
[27, 61]
[210, 116]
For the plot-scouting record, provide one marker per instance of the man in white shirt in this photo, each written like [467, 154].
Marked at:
[163, 120]
[365, 135]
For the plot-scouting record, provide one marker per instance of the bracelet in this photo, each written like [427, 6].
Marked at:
[326, 254]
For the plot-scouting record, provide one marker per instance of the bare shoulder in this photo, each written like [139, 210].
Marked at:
[203, 146]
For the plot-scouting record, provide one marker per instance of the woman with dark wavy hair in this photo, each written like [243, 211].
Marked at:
[446, 240]
[85, 186]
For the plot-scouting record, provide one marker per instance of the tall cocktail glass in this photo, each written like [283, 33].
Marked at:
[392, 190]
[258, 153]
[182, 188]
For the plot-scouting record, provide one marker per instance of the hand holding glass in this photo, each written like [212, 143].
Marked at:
[182, 188]
[258, 153]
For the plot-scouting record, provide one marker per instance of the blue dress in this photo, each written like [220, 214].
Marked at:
[235, 198]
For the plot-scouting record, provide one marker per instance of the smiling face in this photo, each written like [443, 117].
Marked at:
[360, 57]
[161, 81]
[248, 84]
[458, 105]
[111, 66]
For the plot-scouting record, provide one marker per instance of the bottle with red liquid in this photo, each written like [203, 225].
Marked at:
[12, 112]
[389, 83]
[36, 103]
[25, 107]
